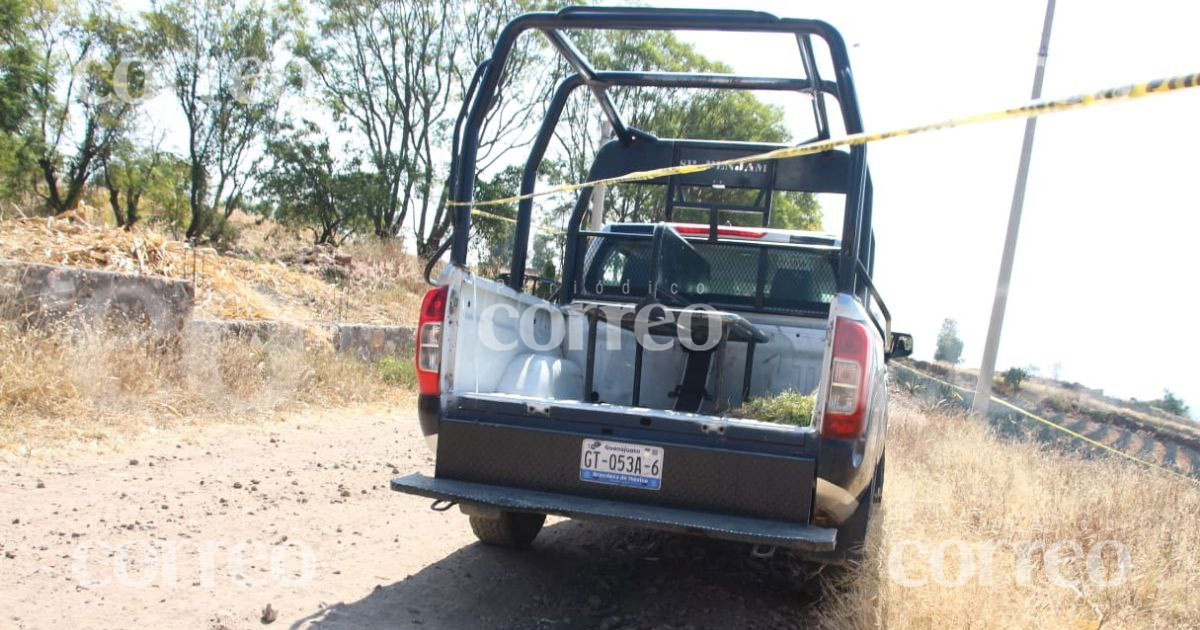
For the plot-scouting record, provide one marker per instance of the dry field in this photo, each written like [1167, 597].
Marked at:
[90, 386]
[950, 479]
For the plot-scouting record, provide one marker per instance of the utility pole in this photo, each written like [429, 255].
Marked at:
[983, 388]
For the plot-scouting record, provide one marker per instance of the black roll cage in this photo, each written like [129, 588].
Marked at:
[635, 150]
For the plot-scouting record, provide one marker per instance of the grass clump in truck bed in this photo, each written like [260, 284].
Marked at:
[787, 407]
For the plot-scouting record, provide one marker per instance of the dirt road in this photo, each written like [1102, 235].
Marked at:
[203, 528]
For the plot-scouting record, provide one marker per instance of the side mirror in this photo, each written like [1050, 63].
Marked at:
[902, 346]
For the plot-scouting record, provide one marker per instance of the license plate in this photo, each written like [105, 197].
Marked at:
[622, 464]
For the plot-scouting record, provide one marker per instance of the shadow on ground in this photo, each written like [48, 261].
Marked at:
[584, 575]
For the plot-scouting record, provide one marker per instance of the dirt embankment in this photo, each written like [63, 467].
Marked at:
[277, 279]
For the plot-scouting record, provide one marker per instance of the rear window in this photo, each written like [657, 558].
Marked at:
[733, 275]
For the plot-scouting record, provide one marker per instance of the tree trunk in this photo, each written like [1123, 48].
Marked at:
[231, 204]
[427, 244]
[440, 228]
[326, 236]
[75, 188]
[114, 200]
[131, 208]
[196, 224]
[114, 197]
[199, 209]
[81, 166]
[53, 201]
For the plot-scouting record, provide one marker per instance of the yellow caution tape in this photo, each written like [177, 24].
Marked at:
[1036, 108]
[490, 215]
[1056, 426]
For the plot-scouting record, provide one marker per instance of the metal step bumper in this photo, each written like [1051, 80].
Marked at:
[727, 527]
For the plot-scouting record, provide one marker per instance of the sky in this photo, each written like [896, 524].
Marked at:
[1103, 282]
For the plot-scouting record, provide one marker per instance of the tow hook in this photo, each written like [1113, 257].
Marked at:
[441, 505]
[762, 551]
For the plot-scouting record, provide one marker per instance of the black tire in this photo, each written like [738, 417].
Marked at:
[513, 529]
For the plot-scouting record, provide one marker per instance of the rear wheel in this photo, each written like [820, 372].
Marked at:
[511, 529]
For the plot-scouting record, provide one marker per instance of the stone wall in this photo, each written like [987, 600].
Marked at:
[371, 342]
[260, 331]
[43, 294]
[49, 294]
[368, 342]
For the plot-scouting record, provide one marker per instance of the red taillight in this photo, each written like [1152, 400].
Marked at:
[429, 341]
[846, 406]
[721, 231]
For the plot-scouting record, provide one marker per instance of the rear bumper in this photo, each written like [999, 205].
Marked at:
[723, 526]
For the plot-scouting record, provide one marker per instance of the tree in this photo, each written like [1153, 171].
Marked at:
[949, 346]
[127, 172]
[494, 237]
[1171, 403]
[518, 107]
[393, 72]
[383, 70]
[219, 56]
[796, 211]
[167, 193]
[18, 64]
[83, 57]
[19, 74]
[306, 187]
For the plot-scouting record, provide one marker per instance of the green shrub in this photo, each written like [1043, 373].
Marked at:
[787, 407]
[398, 371]
[1014, 376]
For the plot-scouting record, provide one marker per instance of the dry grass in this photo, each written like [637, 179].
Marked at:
[949, 479]
[386, 279]
[86, 385]
[381, 284]
[60, 385]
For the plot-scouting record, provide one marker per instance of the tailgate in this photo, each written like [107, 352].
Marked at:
[712, 477]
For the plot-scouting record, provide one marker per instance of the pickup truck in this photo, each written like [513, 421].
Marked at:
[618, 397]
